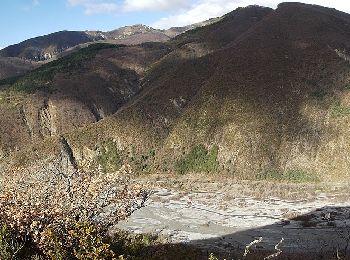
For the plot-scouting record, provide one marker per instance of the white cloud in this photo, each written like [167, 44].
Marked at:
[35, 2]
[78, 2]
[184, 12]
[109, 6]
[95, 6]
[154, 5]
[204, 9]
[101, 8]
[200, 11]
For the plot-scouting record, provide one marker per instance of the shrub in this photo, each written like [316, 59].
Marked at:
[338, 109]
[142, 161]
[88, 242]
[83, 240]
[65, 215]
[199, 159]
[288, 176]
[109, 156]
[9, 246]
[54, 244]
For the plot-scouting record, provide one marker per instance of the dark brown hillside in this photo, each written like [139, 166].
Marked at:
[227, 29]
[275, 100]
[10, 67]
[268, 106]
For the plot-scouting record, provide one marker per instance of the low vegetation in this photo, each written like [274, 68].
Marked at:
[294, 176]
[109, 157]
[85, 241]
[338, 109]
[199, 159]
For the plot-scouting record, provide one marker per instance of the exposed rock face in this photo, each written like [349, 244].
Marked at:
[45, 120]
[68, 162]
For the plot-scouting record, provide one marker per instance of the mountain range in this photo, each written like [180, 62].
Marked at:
[50, 46]
[256, 94]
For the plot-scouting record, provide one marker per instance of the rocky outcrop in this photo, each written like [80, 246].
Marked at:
[68, 163]
[46, 119]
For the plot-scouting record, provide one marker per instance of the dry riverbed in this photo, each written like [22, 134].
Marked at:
[223, 216]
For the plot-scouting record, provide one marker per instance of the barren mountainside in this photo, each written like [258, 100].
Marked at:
[260, 93]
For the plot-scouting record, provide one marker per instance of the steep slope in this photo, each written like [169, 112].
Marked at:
[174, 31]
[273, 102]
[260, 94]
[277, 101]
[225, 30]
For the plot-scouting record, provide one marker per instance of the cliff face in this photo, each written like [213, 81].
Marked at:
[260, 94]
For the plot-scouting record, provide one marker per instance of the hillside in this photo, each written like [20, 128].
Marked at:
[45, 47]
[260, 94]
[50, 46]
[10, 67]
[61, 96]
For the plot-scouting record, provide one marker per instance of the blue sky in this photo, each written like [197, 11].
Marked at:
[23, 19]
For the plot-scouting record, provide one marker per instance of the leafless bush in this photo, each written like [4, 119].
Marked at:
[257, 241]
[278, 250]
[51, 199]
[247, 248]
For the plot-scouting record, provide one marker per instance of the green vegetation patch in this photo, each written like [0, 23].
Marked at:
[150, 246]
[199, 159]
[141, 162]
[319, 93]
[296, 176]
[41, 78]
[109, 157]
[338, 109]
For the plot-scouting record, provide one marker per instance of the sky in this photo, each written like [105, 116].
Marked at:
[24, 19]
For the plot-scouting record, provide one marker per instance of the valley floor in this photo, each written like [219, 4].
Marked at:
[223, 216]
